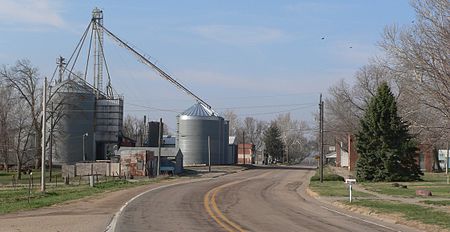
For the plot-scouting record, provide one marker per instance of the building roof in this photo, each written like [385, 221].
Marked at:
[74, 86]
[169, 140]
[232, 140]
[199, 110]
[331, 155]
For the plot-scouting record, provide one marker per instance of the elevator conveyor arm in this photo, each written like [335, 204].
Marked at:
[147, 62]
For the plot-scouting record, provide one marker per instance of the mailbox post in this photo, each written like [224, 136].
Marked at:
[350, 182]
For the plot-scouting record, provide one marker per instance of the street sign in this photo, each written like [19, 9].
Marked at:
[350, 181]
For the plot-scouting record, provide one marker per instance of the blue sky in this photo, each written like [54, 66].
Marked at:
[258, 58]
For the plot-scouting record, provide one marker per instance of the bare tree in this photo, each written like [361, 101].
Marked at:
[134, 128]
[254, 131]
[24, 78]
[346, 104]
[293, 135]
[22, 129]
[5, 125]
[234, 123]
[420, 54]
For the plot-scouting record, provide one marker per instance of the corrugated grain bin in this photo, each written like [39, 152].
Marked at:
[78, 107]
[194, 126]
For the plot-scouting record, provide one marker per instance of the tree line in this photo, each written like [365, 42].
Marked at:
[20, 115]
[282, 139]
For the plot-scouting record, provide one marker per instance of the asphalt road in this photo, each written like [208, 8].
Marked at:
[253, 200]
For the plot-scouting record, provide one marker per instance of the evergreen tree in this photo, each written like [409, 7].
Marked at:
[274, 144]
[385, 147]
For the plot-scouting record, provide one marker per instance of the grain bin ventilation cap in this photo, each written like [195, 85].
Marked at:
[199, 110]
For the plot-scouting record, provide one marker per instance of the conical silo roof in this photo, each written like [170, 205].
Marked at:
[199, 110]
[74, 86]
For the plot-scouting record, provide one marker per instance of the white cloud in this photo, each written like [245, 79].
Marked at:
[30, 13]
[239, 35]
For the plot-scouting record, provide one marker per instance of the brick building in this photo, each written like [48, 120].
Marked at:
[424, 157]
[246, 153]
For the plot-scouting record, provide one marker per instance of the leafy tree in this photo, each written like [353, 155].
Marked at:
[274, 144]
[386, 148]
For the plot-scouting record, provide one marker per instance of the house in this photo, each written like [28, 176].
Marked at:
[246, 153]
[424, 158]
[347, 158]
[442, 157]
[341, 155]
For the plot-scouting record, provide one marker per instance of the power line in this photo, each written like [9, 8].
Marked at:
[266, 106]
[276, 112]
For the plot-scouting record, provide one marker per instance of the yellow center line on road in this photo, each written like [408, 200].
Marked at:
[208, 209]
[209, 201]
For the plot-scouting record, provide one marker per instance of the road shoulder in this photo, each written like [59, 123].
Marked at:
[93, 213]
[338, 202]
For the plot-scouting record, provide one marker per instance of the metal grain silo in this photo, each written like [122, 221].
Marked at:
[76, 103]
[153, 134]
[228, 159]
[108, 125]
[194, 127]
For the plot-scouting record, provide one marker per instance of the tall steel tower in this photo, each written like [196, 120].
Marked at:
[97, 17]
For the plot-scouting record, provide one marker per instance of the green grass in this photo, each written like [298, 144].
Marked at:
[8, 178]
[16, 200]
[438, 203]
[328, 175]
[387, 189]
[435, 177]
[408, 211]
[435, 182]
[437, 189]
[334, 189]
[333, 185]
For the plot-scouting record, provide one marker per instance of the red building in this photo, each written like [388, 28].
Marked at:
[424, 157]
[246, 153]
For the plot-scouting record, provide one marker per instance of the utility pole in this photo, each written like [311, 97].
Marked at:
[145, 130]
[209, 153]
[141, 137]
[84, 144]
[287, 154]
[44, 129]
[446, 160]
[159, 148]
[50, 155]
[243, 144]
[321, 138]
